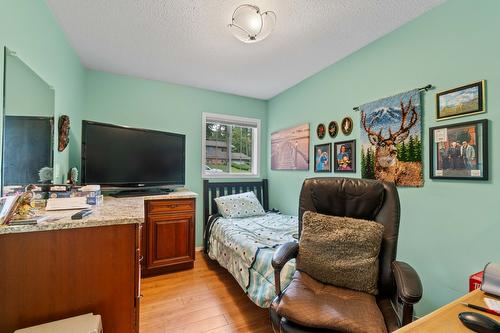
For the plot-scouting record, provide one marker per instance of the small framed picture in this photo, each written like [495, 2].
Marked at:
[333, 129]
[461, 101]
[322, 158]
[321, 131]
[8, 206]
[459, 151]
[346, 125]
[345, 156]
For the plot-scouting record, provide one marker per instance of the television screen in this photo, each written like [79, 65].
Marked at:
[123, 156]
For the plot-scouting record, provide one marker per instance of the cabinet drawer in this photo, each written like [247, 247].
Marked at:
[167, 206]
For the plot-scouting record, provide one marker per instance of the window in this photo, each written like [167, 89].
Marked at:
[230, 146]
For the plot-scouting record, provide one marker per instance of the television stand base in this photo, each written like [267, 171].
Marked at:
[141, 192]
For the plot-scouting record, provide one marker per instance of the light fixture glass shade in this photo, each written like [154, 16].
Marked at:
[268, 23]
[250, 25]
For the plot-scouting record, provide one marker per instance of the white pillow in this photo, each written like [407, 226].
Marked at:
[239, 205]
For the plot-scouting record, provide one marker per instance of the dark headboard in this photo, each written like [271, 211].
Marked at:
[215, 190]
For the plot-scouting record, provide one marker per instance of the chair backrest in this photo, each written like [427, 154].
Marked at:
[358, 198]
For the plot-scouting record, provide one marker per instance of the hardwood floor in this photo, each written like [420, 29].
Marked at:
[203, 299]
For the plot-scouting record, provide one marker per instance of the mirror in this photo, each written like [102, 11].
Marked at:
[28, 126]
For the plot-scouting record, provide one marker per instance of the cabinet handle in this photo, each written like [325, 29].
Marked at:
[173, 206]
[141, 258]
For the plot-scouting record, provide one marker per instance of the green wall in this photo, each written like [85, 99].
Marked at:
[129, 101]
[29, 28]
[21, 81]
[449, 229]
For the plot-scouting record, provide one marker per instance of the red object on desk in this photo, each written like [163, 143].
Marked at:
[475, 281]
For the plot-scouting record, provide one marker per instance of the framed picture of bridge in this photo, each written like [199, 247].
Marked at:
[459, 151]
[391, 139]
[290, 148]
[461, 101]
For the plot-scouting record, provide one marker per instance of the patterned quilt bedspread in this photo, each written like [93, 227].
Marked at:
[245, 247]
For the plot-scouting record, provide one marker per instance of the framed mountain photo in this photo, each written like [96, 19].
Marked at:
[461, 101]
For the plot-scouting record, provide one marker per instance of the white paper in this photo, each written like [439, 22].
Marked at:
[67, 203]
[475, 173]
[492, 304]
[441, 135]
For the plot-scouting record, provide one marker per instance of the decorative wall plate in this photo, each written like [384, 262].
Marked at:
[321, 131]
[63, 127]
[346, 125]
[333, 129]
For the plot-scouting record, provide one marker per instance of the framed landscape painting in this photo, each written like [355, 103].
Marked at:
[290, 148]
[459, 151]
[461, 101]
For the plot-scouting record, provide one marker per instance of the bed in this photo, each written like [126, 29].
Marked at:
[245, 246]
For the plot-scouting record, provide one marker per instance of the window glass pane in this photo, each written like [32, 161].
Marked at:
[216, 152]
[228, 149]
[241, 149]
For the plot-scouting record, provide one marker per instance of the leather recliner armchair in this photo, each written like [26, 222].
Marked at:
[398, 284]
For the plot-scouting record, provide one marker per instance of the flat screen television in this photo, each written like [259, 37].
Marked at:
[131, 157]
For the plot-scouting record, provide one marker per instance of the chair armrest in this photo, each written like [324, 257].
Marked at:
[283, 254]
[408, 283]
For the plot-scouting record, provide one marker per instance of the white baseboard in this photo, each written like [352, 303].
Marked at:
[198, 248]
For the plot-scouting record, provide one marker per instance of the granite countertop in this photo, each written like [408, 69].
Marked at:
[112, 212]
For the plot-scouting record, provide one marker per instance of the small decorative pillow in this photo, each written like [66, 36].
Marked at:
[239, 205]
[340, 251]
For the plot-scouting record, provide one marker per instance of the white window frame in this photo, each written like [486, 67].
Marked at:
[236, 120]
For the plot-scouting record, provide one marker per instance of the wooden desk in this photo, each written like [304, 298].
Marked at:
[445, 319]
[57, 274]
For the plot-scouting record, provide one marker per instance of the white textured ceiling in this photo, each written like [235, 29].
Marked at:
[187, 41]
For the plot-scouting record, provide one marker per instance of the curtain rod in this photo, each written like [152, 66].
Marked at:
[426, 88]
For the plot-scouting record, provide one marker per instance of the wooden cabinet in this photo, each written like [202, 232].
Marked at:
[56, 274]
[169, 237]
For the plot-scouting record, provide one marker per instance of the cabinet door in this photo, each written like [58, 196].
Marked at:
[170, 239]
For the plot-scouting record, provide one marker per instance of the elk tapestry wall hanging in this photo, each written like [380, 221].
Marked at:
[391, 139]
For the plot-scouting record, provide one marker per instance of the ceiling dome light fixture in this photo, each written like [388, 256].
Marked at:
[250, 25]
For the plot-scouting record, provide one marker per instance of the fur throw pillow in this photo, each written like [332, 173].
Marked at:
[340, 251]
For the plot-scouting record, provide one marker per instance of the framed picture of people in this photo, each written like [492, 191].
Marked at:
[322, 157]
[459, 151]
[345, 156]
